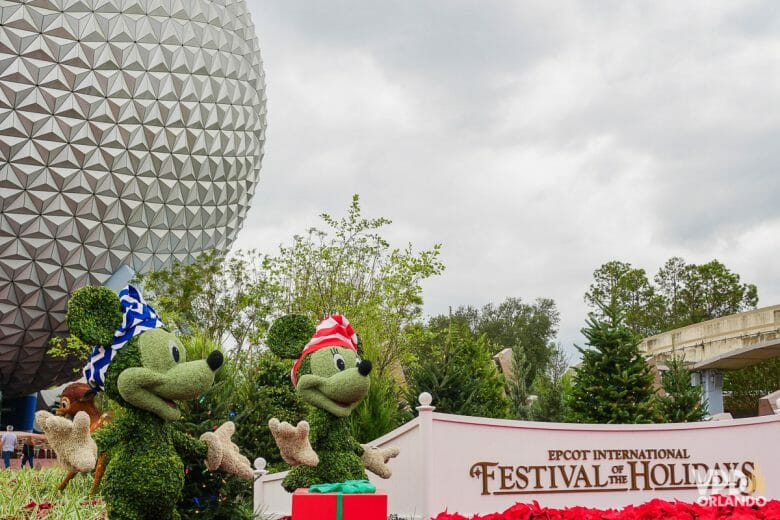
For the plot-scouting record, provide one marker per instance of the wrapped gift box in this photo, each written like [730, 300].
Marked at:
[324, 506]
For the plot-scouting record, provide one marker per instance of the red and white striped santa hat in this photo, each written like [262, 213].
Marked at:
[333, 331]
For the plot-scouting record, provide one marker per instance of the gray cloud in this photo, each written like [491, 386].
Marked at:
[534, 142]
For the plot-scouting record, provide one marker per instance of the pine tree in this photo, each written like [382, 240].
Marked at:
[211, 495]
[264, 390]
[553, 388]
[683, 401]
[519, 392]
[614, 383]
[381, 411]
[458, 371]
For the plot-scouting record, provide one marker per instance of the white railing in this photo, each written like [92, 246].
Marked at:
[477, 465]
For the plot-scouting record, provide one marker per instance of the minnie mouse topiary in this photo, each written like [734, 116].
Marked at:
[144, 369]
[331, 377]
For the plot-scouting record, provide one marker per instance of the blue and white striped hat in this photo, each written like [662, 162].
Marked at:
[137, 316]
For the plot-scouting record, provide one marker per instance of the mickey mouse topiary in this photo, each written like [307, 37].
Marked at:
[330, 376]
[143, 368]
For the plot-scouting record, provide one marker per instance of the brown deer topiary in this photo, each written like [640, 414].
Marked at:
[79, 397]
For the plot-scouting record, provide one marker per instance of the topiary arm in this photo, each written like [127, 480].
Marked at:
[70, 440]
[108, 436]
[293, 442]
[375, 459]
[187, 446]
[223, 454]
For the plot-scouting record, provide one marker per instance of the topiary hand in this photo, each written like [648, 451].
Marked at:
[375, 459]
[70, 440]
[223, 453]
[293, 442]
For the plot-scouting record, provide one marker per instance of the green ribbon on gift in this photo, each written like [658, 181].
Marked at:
[349, 487]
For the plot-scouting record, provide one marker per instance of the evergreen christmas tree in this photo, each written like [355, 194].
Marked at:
[211, 495]
[265, 391]
[553, 387]
[683, 401]
[519, 392]
[614, 383]
[458, 371]
[381, 411]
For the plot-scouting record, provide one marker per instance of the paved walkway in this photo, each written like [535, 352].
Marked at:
[39, 463]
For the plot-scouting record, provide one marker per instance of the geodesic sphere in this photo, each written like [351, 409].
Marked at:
[131, 134]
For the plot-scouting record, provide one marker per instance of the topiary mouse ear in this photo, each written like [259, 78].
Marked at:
[289, 334]
[94, 313]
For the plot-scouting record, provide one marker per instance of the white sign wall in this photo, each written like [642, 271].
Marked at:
[488, 465]
[474, 465]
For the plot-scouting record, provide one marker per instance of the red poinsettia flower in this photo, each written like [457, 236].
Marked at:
[654, 510]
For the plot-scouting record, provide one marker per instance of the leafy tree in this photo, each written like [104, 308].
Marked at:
[613, 384]
[552, 388]
[670, 282]
[744, 387]
[513, 323]
[510, 323]
[619, 284]
[696, 293]
[350, 268]
[525, 328]
[681, 295]
[683, 401]
[71, 348]
[228, 299]
[457, 370]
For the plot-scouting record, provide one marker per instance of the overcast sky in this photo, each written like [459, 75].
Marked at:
[533, 140]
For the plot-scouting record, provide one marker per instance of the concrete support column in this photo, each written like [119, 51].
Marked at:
[711, 382]
[120, 278]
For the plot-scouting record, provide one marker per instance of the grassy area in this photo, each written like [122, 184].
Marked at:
[31, 494]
